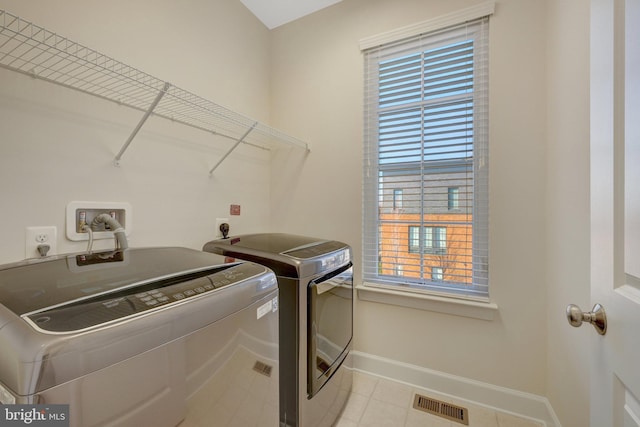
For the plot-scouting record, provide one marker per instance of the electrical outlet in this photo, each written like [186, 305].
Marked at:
[36, 236]
[220, 221]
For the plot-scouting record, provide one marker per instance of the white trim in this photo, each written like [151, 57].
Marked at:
[454, 18]
[527, 405]
[424, 301]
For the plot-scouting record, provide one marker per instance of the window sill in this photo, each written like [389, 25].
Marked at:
[429, 302]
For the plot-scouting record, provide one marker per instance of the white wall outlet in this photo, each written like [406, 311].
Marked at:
[220, 221]
[40, 236]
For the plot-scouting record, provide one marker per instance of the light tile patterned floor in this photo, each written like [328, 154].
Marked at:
[378, 402]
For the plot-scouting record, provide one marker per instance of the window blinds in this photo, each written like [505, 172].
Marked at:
[426, 139]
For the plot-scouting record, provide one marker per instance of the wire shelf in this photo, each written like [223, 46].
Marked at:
[30, 49]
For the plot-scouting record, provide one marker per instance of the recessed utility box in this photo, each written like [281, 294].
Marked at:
[81, 213]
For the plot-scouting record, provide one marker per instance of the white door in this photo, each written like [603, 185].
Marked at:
[615, 211]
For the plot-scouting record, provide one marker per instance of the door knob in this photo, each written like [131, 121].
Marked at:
[597, 317]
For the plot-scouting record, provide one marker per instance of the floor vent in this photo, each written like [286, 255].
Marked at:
[441, 409]
[262, 368]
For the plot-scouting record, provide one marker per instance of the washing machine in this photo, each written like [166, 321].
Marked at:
[141, 337]
[315, 279]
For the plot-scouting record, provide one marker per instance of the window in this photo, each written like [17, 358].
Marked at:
[453, 198]
[434, 240]
[397, 198]
[426, 131]
[414, 239]
[436, 273]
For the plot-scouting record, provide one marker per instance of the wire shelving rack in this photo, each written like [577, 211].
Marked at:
[33, 50]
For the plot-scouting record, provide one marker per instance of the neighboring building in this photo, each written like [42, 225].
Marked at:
[426, 227]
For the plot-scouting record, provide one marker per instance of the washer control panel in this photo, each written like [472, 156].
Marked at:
[98, 310]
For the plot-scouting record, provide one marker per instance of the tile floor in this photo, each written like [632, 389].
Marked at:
[379, 402]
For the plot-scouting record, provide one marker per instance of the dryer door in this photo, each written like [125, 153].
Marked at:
[330, 325]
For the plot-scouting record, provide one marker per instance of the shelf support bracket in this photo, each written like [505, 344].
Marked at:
[233, 148]
[152, 107]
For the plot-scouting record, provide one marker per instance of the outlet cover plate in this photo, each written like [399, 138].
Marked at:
[45, 235]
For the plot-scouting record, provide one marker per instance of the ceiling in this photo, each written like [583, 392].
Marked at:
[274, 13]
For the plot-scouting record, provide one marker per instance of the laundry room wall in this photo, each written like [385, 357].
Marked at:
[57, 145]
[317, 76]
[568, 220]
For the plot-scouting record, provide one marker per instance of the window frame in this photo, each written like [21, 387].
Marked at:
[477, 291]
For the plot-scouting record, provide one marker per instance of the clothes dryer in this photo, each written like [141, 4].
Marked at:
[315, 279]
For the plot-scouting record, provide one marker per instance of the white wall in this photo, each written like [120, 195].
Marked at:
[568, 254]
[58, 145]
[317, 86]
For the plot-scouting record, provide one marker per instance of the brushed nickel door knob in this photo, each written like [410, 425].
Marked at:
[597, 317]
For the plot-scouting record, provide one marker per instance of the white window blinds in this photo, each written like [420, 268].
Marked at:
[426, 137]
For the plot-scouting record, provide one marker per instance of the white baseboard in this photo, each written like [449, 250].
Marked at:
[495, 397]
